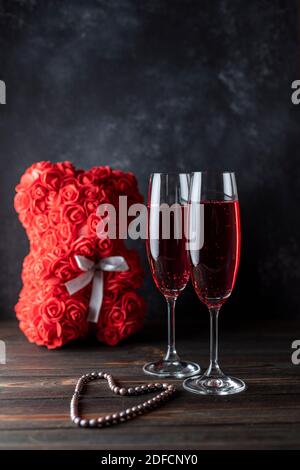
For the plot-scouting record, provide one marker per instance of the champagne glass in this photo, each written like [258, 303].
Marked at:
[168, 259]
[214, 253]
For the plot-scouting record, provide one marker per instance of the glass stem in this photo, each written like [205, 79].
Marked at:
[214, 369]
[171, 353]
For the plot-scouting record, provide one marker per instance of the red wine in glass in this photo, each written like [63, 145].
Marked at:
[215, 265]
[214, 248]
[168, 256]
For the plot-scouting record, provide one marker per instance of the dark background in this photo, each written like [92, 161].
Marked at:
[154, 85]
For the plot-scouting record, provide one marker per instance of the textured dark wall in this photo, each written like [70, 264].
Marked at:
[149, 85]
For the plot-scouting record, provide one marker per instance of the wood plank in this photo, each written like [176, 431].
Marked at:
[36, 386]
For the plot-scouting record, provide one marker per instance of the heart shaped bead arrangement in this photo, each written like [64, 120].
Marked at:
[166, 392]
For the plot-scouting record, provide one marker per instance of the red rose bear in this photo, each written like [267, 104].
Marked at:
[57, 207]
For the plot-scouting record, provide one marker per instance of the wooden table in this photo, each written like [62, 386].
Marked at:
[36, 386]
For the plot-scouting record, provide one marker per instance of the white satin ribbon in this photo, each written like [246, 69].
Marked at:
[94, 272]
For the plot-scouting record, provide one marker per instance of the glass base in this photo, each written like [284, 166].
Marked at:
[214, 385]
[177, 369]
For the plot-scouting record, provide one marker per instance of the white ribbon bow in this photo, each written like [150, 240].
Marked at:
[94, 272]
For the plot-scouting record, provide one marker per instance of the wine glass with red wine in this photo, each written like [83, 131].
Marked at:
[214, 252]
[168, 258]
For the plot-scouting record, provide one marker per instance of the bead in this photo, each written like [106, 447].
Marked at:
[144, 388]
[158, 386]
[116, 390]
[122, 391]
[122, 416]
[100, 375]
[83, 423]
[105, 375]
[130, 391]
[165, 385]
[92, 423]
[108, 420]
[76, 420]
[100, 422]
[137, 389]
